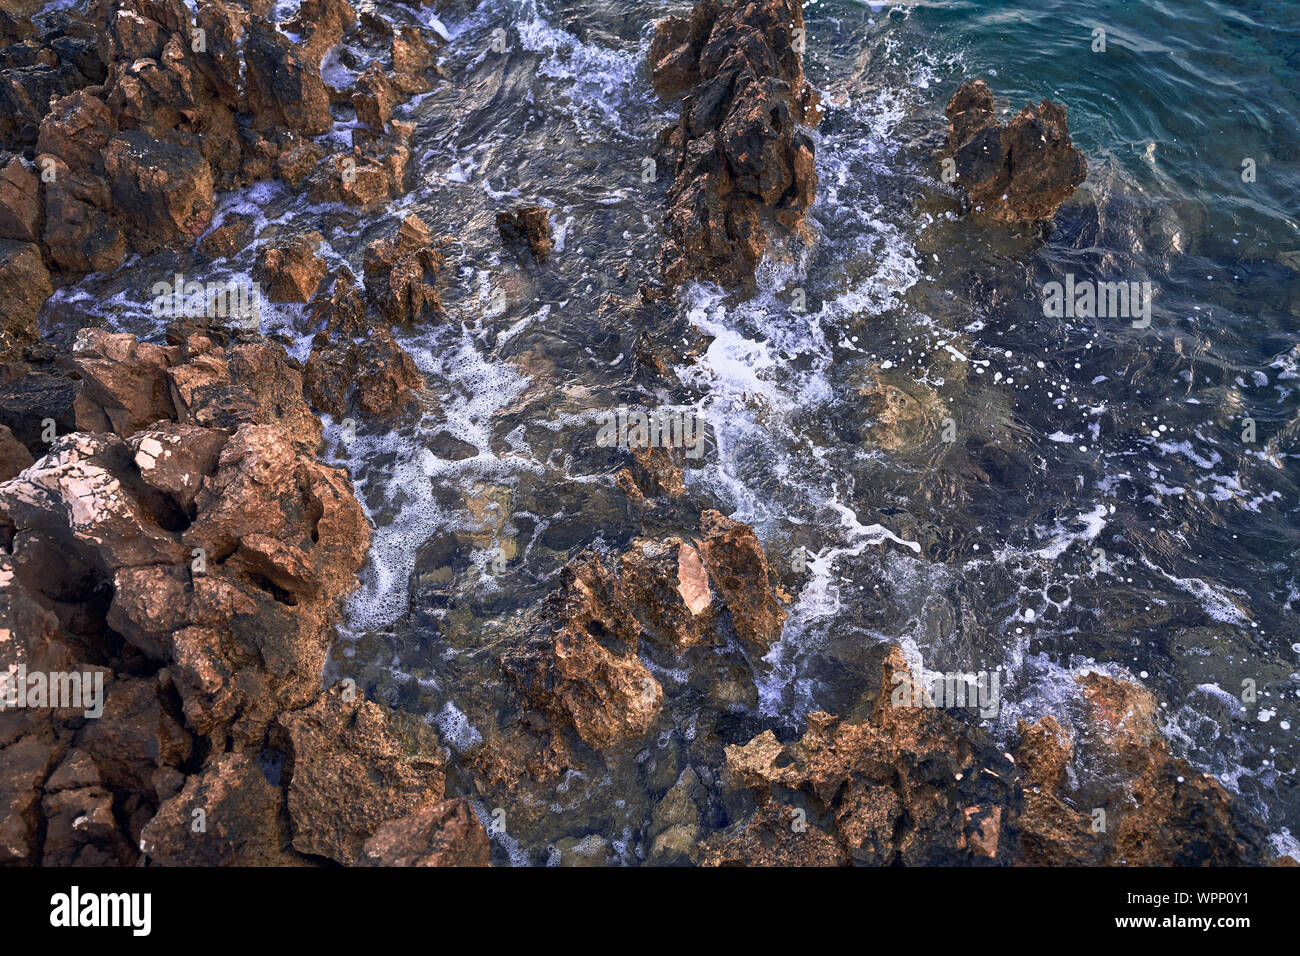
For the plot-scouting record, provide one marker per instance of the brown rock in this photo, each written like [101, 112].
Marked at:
[401, 274]
[372, 98]
[81, 237]
[284, 86]
[412, 59]
[740, 165]
[298, 162]
[669, 592]
[20, 201]
[580, 666]
[123, 379]
[291, 270]
[1020, 172]
[322, 24]
[175, 458]
[356, 767]
[441, 834]
[908, 785]
[24, 286]
[338, 309]
[162, 190]
[14, 456]
[227, 815]
[229, 238]
[386, 376]
[738, 571]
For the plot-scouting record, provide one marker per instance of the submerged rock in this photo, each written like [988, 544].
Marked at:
[1020, 172]
[528, 227]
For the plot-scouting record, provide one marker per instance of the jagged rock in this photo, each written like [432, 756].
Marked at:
[322, 24]
[580, 666]
[80, 827]
[229, 238]
[291, 270]
[386, 376]
[1020, 172]
[76, 128]
[24, 286]
[14, 456]
[740, 164]
[200, 550]
[238, 821]
[25, 94]
[284, 86]
[908, 785]
[412, 59]
[528, 226]
[329, 374]
[223, 25]
[669, 592]
[26, 763]
[356, 767]
[738, 571]
[81, 237]
[401, 274]
[913, 785]
[338, 309]
[1159, 811]
[377, 169]
[441, 834]
[297, 162]
[175, 458]
[372, 98]
[124, 382]
[20, 201]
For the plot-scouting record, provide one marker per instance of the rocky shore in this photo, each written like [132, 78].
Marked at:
[166, 522]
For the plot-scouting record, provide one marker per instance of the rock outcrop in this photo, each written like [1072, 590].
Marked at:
[918, 786]
[1020, 172]
[185, 545]
[741, 167]
[578, 663]
[119, 125]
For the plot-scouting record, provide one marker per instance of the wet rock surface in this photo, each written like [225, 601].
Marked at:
[914, 785]
[1018, 172]
[741, 168]
[165, 521]
[124, 122]
[186, 545]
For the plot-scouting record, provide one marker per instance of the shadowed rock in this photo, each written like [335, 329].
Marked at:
[742, 170]
[1020, 172]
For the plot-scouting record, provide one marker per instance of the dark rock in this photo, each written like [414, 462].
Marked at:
[528, 226]
[1020, 172]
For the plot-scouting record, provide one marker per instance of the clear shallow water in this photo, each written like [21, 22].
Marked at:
[1072, 435]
